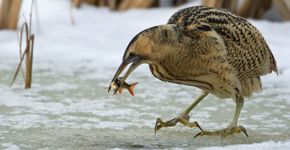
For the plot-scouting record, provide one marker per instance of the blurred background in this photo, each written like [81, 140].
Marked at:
[275, 10]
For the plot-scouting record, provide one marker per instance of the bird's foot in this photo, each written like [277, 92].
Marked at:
[224, 132]
[184, 119]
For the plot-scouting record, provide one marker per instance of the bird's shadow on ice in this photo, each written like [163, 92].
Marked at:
[184, 139]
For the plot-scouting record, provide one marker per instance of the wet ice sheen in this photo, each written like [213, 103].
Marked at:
[68, 106]
[78, 118]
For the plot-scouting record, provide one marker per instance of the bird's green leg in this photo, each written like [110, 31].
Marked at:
[233, 126]
[182, 118]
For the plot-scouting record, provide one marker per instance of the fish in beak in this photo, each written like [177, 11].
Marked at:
[125, 85]
[135, 61]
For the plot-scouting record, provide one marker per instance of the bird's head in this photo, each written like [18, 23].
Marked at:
[144, 48]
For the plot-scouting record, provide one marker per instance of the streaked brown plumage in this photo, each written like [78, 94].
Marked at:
[247, 51]
[212, 49]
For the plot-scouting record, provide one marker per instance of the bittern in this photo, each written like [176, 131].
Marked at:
[211, 49]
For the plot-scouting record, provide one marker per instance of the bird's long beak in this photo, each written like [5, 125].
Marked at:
[135, 60]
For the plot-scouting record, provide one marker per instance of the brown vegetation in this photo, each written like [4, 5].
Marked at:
[283, 7]
[9, 11]
[27, 53]
[126, 4]
[252, 8]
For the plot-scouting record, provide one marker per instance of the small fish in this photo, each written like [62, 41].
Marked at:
[125, 85]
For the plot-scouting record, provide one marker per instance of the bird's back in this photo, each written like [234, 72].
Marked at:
[247, 50]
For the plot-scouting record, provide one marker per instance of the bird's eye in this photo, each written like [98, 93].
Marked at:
[132, 54]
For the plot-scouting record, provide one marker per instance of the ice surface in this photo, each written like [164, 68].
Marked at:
[69, 107]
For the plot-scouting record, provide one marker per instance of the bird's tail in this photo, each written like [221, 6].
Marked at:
[251, 85]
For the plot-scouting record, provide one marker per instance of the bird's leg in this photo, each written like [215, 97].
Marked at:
[182, 118]
[232, 127]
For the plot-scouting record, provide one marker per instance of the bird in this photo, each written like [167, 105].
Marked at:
[208, 48]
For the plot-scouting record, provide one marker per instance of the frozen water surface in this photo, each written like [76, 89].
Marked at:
[68, 106]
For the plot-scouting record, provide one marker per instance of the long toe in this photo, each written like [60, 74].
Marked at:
[224, 132]
[183, 119]
[160, 124]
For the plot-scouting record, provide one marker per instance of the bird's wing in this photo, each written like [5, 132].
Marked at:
[209, 56]
[246, 48]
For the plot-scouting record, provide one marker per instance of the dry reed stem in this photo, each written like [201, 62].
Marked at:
[29, 57]
[26, 29]
[28, 52]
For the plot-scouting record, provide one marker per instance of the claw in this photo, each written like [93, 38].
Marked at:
[197, 125]
[157, 124]
[198, 134]
[243, 129]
